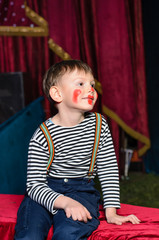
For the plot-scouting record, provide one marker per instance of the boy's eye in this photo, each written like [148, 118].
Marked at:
[80, 84]
[93, 85]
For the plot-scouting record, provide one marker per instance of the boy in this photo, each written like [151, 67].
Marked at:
[66, 197]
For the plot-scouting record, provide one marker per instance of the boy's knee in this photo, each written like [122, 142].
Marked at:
[22, 238]
[64, 233]
[74, 230]
[22, 235]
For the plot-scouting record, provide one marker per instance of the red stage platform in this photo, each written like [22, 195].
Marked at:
[147, 229]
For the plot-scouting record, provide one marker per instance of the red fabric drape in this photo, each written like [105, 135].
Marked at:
[100, 33]
[79, 35]
[116, 71]
[30, 55]
[136, 42]
[72, 25]
[19, 54]
[147, 229]
[122, 71]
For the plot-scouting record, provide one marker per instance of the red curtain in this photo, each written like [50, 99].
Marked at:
[101, 33]
[136, 42]
[72, 25]
[27, 54]
[105, 34]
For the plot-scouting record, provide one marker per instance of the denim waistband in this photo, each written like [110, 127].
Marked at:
[72, 181]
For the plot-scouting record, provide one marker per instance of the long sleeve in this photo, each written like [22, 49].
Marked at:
[107, 169]
[37, 187]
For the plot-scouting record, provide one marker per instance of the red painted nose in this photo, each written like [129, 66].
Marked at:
[92, 89]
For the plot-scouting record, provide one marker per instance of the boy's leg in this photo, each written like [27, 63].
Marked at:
[68, 229]
[33, 221]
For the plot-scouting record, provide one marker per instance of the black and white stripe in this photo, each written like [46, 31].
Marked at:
[73, 150]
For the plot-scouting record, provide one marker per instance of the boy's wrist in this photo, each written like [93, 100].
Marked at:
[110, 212]
[61, 202]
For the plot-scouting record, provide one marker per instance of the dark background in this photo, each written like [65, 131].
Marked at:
[151, 40]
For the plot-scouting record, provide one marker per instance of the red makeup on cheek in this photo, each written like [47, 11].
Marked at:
[76, 93]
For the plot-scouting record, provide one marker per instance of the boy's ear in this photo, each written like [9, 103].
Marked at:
[55, 94]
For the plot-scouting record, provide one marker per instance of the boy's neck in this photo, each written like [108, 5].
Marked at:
[68, 120]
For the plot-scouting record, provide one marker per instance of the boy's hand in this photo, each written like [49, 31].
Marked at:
[77, 211]
[72, 208]
[114, 218]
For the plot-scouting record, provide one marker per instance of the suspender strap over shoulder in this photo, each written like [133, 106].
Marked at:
[47, 135]
[50, 144]
[96, 142]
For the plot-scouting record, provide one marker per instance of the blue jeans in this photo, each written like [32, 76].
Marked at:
[34, 221]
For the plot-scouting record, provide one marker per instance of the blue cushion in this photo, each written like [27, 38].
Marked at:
[15, 134]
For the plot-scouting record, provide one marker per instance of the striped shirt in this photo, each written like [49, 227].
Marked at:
[73, 151]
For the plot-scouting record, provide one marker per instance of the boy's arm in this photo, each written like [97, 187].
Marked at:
[40, 192]
[113, 217]
[107, 169]
[37, 186]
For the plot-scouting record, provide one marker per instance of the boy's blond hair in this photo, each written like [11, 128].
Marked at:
[56, 71]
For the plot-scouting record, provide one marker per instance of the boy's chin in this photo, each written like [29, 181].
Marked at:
[87, 109]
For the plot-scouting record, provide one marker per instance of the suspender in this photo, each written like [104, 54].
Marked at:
[96, 142]
[50, 144]
[95, 147]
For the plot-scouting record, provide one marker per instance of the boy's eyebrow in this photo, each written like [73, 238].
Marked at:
[83, 78]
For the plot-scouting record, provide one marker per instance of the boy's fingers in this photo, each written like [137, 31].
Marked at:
[68, 214]
[133, 219]
[88, 213]
[85, 215]
[77, 211]
[85, 219]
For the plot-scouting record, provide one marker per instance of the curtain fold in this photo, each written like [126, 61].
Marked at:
[105, 34]
[135, 30]
[110, 39]
[27, 54]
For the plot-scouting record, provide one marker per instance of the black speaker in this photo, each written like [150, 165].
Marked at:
[13, 92]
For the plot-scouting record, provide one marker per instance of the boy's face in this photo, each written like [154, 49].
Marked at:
[78, 90]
